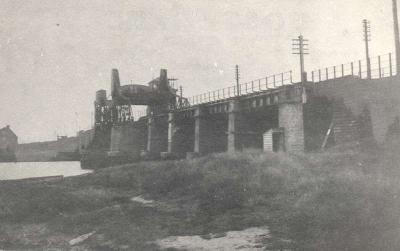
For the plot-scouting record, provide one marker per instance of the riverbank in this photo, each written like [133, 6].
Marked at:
[344, 199]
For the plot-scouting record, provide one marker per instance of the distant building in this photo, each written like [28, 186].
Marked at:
[8, 144]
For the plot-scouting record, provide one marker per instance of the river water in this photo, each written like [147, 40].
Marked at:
[22, 170]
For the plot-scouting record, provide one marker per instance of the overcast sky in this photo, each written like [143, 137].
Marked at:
[54, 54]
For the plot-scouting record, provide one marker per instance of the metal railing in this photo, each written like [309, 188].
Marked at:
[257, 85]
[381, 67]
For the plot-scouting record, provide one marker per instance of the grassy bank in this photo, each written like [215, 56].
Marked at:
[344, 199]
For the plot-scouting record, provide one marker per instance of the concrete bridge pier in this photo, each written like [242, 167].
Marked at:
[233, 126]
[291, 120]
[171, 133]
[201, 133]
[157, 136]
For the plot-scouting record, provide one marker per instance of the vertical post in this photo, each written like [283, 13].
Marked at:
[282, 78]
[396, 35]
[342, 70]
[312, 76]
[299, 47]
[237, 80]
[301, 58]
[319, 75]
[233, 126]
[274, 81]
[334, 72]
[171, 132]
[390, 64]
[367, 39]
[259, 84]
[379, 66]
[252, 86]
[180, 96]
[352, 69]
[229, 92]
[291, 77]
[266, 83]
[359, 69]
[201, 132]
[326, 71]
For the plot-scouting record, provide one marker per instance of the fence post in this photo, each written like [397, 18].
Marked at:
[379, 66]
[252, 86]
[274, 81]
[334, 72]
[390, 64]
[319, 75]
[359, 69]
[327, 75]
[352, 69]
[342, 70]
[291, 77]
[282, 78]
[259, 84]
[312, 76]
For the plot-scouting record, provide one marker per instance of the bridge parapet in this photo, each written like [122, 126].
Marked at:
[284, 94]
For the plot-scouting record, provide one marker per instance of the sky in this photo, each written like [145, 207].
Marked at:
[54, 55]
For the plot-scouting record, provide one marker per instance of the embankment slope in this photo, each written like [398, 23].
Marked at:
[344, 199]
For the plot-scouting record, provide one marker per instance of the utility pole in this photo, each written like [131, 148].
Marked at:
[300, 47]
[396, 35]
[367, 38]
[237, 80]
[180, 95]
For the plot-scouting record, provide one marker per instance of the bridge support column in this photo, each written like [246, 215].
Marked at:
[200, 131]
[291, 119]
[171, 133]
[157, 140]
[233, 126]
[150, 132]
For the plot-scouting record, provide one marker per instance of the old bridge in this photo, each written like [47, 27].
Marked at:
[338, 104]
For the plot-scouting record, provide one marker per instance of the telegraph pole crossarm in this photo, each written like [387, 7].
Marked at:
[300, 47]
[237, 80]
[367, 39]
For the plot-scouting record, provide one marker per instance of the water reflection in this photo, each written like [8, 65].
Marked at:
[22, 170]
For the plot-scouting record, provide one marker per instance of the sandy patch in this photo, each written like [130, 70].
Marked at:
[249, 239]
[143, 201]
